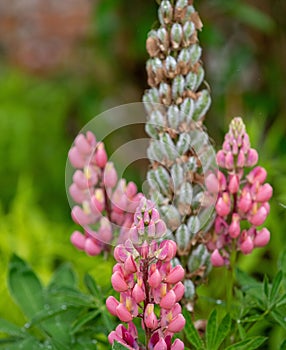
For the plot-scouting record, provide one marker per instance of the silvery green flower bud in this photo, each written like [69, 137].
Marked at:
[197, 200]
[157, 197]
[177, 175]
[189, 30]
[165, 93]
[196, 52]
[191, 164]
[184, 61]
[182, 237]
[157, 119]
[152, 181]
[187, 109]
[152, 44]
[151, 130]
[198, 258]
[200, 77]
[168, 145]
[178, 87]
[165, 12]
[164, 39]
[191, 81]
[156, 152]
[176, 35]
[194, 225]
[190, 290]
[169, 235]
[173, 116]
[183, 143]
[171, 216]
[170, 67]
[175, 262]
[153, 95]
[163, 179]
[202, 105]
[185, 194]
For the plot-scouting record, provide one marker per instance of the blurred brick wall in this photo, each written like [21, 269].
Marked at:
[41, 35]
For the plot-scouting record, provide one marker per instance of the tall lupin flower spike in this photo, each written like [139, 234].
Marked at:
[242, 197]
[150, 288]
[100, 198]
[176, 104]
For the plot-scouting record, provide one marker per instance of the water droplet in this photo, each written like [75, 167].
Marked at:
[27, 325]
[64, 307]
[219, 302]
[238, 321]
[284, 319]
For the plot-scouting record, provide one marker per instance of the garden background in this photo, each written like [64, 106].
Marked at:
[64, 62]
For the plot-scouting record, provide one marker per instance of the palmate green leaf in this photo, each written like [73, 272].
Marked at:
[211, 330]
[279, 318]
[29, 343]
[118, 346]
[222, 331]
[11, 329]
[25, 287]
[83, 320]
[63, 276]
[248, 344]
[191, 332]
[92, 286]
[275, 287]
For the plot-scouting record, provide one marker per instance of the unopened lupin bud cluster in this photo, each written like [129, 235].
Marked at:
[100, 198]
[150, 288]
[242, 205]
[176, 104]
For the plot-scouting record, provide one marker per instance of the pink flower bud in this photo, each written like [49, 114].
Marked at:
[130, 265]
[169, 300]
[234, 227]
[144, 250]
[98, 201]
[223, 205]
[258, 217]
[221, 180]
[82, 144]
[150, 318]
[161, 345]
[220, 158]
[179, 291]
[160, 229]
[229, 164]
[80, 180]
[233, 185]
[120, 253]
[110, 176]
[168, 250]
[78, 240]
[151, 229]
[262, 238]
[178, 345]
[111, 305]
[76, 158]
[155, 279]
[216, 259]
[252, 157]
[240, 159]
[77, 194]
[177, 324]
[264, 193]
[212, 184]
[100, 155]
[118, 282]
[91, 248]
[247, 246]
[176, 274]
[258, 174]
[79, 217]
[123, 314]
[113, 336]
[138, 293]
[244, 202]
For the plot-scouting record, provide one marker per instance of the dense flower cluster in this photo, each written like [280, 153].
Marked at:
[241, 197]
[150, 288]
[100, 198]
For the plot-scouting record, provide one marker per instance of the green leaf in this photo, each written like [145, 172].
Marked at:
[279, 318]
[266, 287]
[283, 345]
[118, 346]
[191, 332]
[11, 329]
[64, 276]
[80, 322]
[275, 286]
[223, 330]
[211, 330]
[92, 286]
[25, 287]
[248, 344]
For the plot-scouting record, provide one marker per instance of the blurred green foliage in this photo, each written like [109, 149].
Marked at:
[244, 46]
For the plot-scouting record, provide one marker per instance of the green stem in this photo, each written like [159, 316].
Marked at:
[230, 278]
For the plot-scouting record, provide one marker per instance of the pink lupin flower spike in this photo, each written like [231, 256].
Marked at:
[150, 288]
[242, 196]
